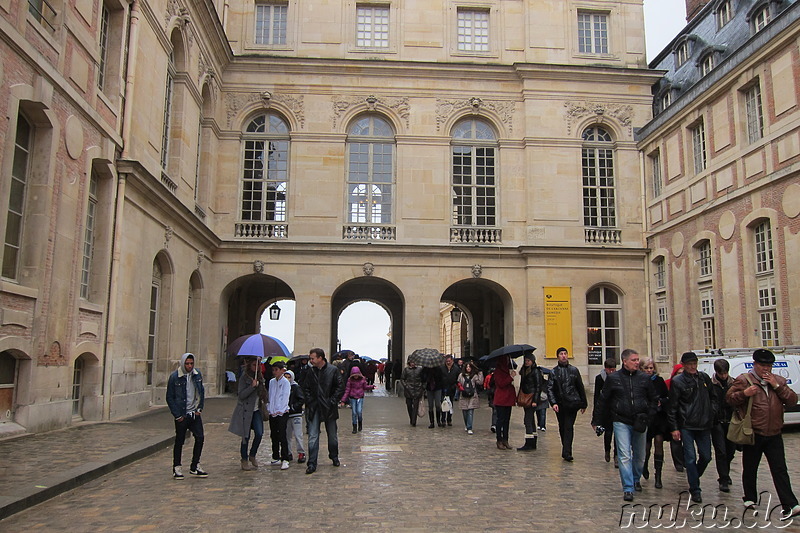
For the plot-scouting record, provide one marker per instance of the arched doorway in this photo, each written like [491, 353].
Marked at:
[86, 382]
[484, 306]
[8, 382]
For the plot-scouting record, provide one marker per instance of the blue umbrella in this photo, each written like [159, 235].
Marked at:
[257, 345]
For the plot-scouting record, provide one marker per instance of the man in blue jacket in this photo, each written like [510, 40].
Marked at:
[185, 398]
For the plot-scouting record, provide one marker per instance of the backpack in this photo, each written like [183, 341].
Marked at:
[469, 388]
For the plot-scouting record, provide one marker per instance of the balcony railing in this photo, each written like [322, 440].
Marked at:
[603, 236]
[369, 233]
[44, 12]
[476, 235]
[261, 230]
[168, 183]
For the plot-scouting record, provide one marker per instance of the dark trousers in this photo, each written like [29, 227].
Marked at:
[608, 437]
[724, 450]
[412, 404]
[503, 421]
[313, 426]
[277, 434]
[566, 430]
[772, 448]
[189, 423]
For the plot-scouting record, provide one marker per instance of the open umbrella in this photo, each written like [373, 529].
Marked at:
[300, 357]
[426, 357]
[512, 350]
[257, 345]
[272, 359]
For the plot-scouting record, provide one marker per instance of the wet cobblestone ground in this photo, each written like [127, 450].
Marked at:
[393, 477]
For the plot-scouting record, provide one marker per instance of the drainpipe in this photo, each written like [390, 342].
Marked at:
[647, 300]
[133, 45]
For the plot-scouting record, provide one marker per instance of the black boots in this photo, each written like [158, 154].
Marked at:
[360, 425]
[658, 464]
[355, 428]
[530, 444]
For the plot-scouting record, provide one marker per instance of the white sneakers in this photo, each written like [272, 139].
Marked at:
[285, 465]
[177, 472]
[275, 462]
[469, 432]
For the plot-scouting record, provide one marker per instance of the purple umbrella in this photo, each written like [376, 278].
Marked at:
[257, 345]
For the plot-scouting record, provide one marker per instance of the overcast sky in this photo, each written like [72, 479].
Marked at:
[363, 326]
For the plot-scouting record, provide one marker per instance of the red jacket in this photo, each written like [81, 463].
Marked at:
[505, 395]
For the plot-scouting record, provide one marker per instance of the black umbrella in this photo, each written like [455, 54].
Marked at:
[426, 357]
[512, 350]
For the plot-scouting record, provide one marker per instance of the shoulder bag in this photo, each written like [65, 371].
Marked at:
[740, 429]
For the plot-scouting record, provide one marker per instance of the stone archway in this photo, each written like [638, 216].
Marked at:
[485, 305]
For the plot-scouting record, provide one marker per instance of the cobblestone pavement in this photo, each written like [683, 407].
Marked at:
[397, 478]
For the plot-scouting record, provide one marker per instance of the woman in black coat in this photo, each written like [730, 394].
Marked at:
[530, 382]
[657, 428]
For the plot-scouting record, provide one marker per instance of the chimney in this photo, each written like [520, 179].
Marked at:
[693, 7]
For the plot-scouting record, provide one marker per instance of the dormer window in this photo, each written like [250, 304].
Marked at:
[760, 18]
[682, 53]
[707, 64]
[724, 13]
[665, 100]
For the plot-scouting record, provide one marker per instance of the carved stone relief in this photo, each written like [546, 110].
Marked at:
[446, 108]
[235, 102]
[575, 111]
[398, 106]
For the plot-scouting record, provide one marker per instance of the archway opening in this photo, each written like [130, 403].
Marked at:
[366, 328]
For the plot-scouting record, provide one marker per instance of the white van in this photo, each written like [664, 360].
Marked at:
[787, 364]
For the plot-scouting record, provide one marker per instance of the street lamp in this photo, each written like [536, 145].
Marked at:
[274, 312]
[455, 314]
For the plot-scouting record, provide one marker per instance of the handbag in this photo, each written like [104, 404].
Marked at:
[524, 399]
[447, 405]
[740, 429]
[422, 408]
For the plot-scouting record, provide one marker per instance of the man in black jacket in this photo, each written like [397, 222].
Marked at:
[323, 387]
[567, 396]
[724, 450]
[450, 372]
[629, 400]
[690, 417]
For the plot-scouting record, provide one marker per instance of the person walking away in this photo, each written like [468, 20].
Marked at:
[381, 368]
[185, 398]
[609, 367]
[247, 415]
[278, 407]
[567, 396]
[544, 403]
[294, 427]
[505, 397]
[450, 372]
[690, 416]
[771, 396]
[354, 392]
[530, 382]
[322, 389]
[432, 377]
[629, 400]
[469, 383]
[724, 450]
[413, 390]
[658, 428]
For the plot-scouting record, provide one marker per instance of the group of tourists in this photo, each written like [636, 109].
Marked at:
[634, 408]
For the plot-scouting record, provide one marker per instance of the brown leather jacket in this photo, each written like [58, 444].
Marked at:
[768, 406]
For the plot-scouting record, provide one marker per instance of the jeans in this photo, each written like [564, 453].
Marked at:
[468, 416]
[503, 420]
[630, 452]
[357, 409]
[257, 425]
[695, 462]
[566, 430]
[194, 424]
[277, 433]
[294, 433]
[724, 451]
[772, 448]
[313, 428]
[541, 417]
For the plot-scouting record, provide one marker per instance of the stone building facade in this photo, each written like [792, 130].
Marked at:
[722, 167]
[171, 168]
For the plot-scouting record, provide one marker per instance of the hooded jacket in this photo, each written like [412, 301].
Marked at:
[177, 393]
[504, 393]
[248, 396]
[356, 385]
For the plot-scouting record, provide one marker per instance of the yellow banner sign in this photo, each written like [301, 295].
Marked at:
[558, 320]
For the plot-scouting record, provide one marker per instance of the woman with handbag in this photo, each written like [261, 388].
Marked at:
[247, 415]
[530, 386]
[469, 382]
[505, 398]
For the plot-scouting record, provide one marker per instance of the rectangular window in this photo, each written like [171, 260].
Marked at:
[760, 19]
[767, 311]
[707, 317]
[473, 31]
[474, 186]
[592, 33]
[599, 206]
[372, 27]
[663, 327]
[44, 12]
[661, 274]
[271, 23]
[699, 147]
[23, 144]
[88, 237]
[264, 189]
[151, 330]
[704, 259]
[165, 135]
[755, 118]
[665, 101]
[655, 165]
[724, 14]
[105, 17]
[763, 242]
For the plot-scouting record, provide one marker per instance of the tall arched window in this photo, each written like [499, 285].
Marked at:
[370, 171]
[603, 320]
[165, 133]
[16, 201]
[153, 320]
[474, 164]
[597, 162]
[266, 169]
